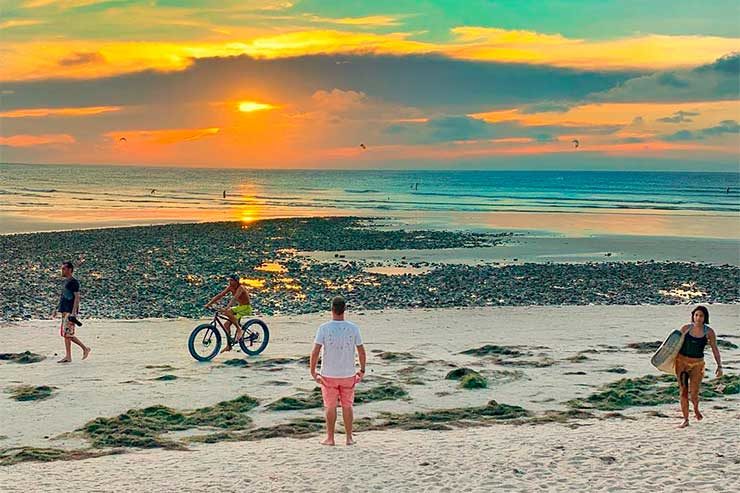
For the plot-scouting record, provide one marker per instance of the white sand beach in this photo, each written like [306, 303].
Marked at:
[615, 456]
[637, 449]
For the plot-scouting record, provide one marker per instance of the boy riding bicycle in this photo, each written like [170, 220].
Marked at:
[238, 307]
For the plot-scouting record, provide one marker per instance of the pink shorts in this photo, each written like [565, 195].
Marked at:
[339, 389]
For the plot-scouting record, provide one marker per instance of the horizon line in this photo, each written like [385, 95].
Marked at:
[364, 169]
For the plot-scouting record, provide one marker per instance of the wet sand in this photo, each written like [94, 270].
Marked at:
[544, 249]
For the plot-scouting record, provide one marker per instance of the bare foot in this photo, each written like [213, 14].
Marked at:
[227, 348]
[64, 360]
[86, 353]
[699, 416]
[350, 441]
[684, 424]
[328, 442]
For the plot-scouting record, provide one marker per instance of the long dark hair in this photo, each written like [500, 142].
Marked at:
[702, 309]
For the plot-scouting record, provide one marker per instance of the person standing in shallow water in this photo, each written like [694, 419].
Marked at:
[339, 338]
[690, 361]
[69, 306]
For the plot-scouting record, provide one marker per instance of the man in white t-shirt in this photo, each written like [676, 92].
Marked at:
[338, 376]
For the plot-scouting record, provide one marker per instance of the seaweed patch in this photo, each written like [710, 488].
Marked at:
[143, 428]
[31, 392]
[650, 390]
[24, 358]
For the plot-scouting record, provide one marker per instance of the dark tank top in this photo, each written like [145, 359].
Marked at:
[693, 347]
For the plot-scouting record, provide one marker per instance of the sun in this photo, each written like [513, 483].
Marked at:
[250, 106]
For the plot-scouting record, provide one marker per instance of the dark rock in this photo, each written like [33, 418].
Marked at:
[459, 373]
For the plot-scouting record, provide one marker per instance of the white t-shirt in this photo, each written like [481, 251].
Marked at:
[339, 338]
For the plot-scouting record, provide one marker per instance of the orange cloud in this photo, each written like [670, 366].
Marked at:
[652, 51]
[329, 41]
[39, 60]
[39, 112]
[163, 136]
[409, 120]
[367, 21]
[42, 59]
[36, 140]
[615, 113]
[60, 4]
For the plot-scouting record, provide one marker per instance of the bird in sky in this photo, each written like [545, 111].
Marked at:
[363, 146]
[576, 143]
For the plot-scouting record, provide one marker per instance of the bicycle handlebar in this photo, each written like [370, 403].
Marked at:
[214, 310]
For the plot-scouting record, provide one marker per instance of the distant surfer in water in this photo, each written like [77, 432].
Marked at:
[690, 360]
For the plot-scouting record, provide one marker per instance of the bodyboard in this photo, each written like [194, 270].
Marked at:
[664, 358]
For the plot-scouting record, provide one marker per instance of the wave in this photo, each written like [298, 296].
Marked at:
[559, 194]
[503, 202]
[369, 190]
[191, 192]
[486, 206]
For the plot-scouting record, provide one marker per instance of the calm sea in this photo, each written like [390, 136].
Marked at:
[40, 197]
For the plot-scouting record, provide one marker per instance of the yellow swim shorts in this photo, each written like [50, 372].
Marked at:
[242, 310]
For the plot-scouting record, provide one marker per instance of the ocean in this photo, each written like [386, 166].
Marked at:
[46, 197]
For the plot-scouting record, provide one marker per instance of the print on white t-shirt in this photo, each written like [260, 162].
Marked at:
[338, 339]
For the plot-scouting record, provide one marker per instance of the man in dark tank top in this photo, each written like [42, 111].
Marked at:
[69, 306]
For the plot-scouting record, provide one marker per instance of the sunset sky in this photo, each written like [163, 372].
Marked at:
[424, 84]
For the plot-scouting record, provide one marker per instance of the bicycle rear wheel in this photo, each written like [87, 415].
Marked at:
[205, 342]
[256, 337]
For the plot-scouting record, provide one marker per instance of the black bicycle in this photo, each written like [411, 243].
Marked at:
[205, 340]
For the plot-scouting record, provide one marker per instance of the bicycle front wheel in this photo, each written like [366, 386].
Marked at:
[256, 337]
[205, 342]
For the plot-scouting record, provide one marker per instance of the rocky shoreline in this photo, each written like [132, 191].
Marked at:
[171, 271]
